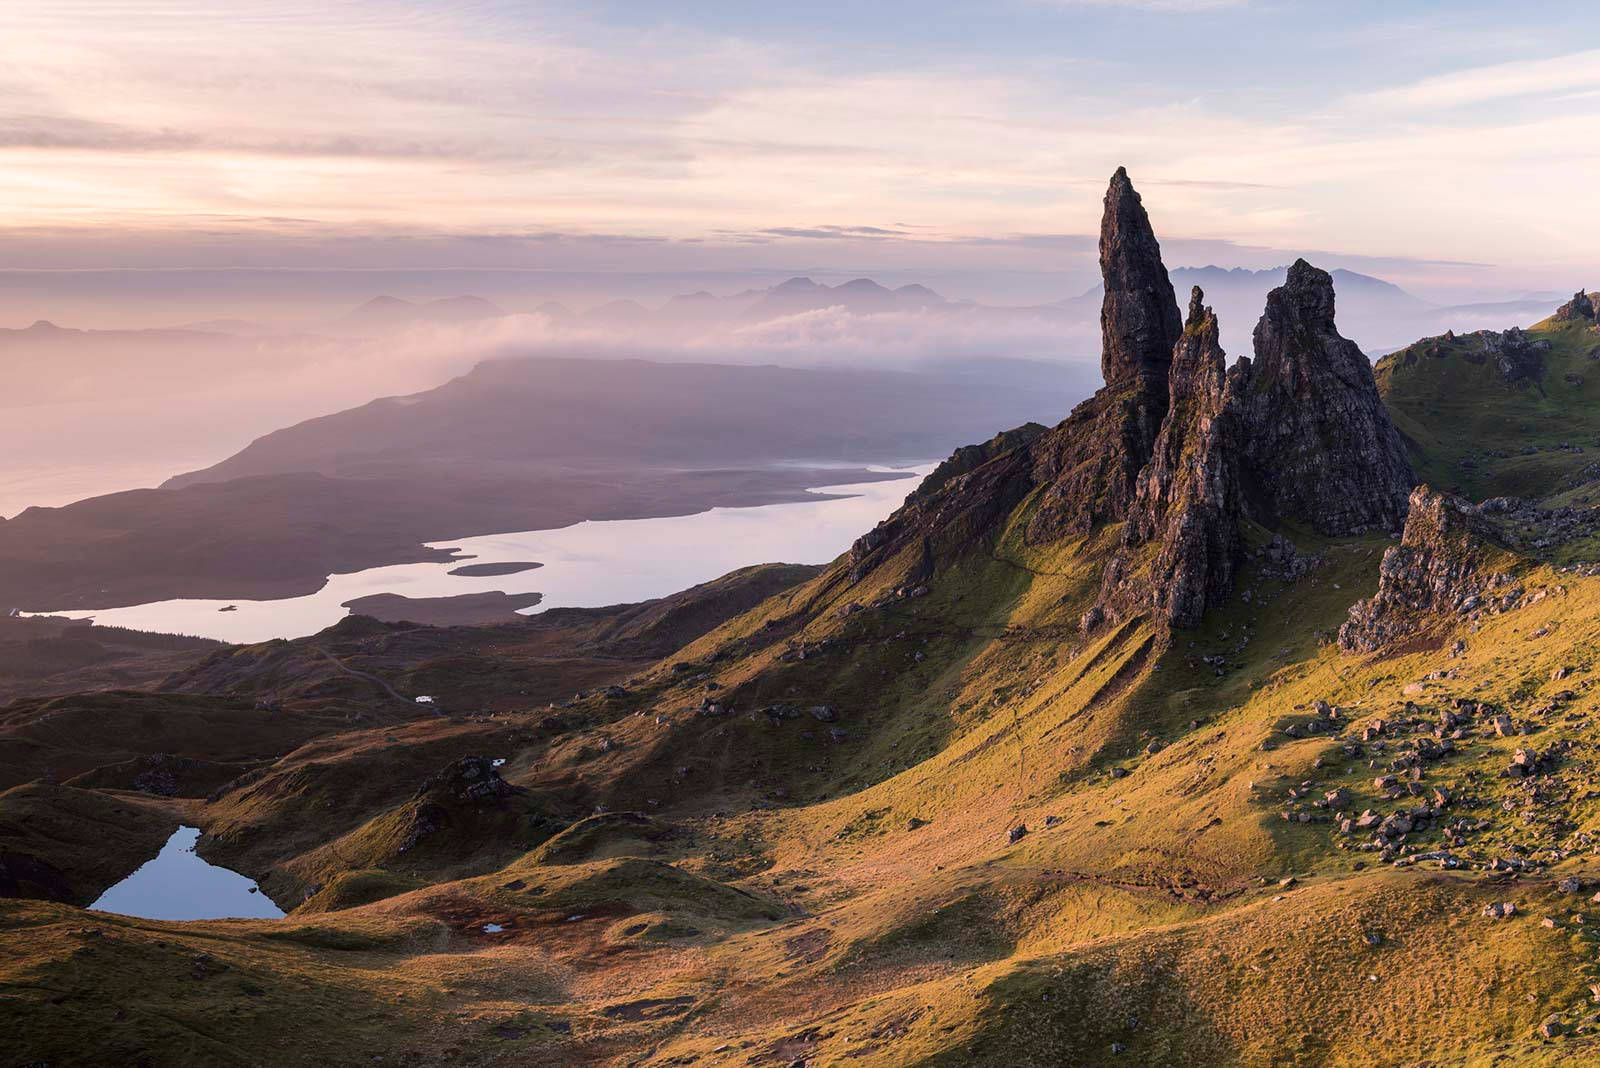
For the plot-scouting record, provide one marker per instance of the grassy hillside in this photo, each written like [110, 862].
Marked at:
[1484, 427]
[902, 814]
[797, 894]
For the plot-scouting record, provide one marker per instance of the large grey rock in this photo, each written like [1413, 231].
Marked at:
[1139, 322]
[1322, 449]
[1437, 568]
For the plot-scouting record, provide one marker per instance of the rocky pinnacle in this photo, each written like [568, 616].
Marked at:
[1579, 309]
[1321, 446]
[1196, 389]
[1139, 321]
[1189, 495]
[1090, 465]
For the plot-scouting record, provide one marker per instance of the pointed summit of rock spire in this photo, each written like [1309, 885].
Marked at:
[1322, 446]
[1198, 362]
[1139, 321]
[1090, 468]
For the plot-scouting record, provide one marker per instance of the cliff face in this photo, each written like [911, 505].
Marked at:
[971, 457]
[1090, 464]
[1321, 447]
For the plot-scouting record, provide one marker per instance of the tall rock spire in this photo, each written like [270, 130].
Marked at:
[1189, 496]
[1092, 466]
[1196, 384]
[1322, 448]
[1139, 321]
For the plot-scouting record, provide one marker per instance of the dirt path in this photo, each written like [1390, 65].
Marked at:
[375, 680]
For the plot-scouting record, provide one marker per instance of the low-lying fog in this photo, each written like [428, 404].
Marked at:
[147, 374]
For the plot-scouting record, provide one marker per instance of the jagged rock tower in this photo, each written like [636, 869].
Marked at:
[1178, 446]
[1139, 321]
[1188, 497]
[1093, 463]
[1320, 445]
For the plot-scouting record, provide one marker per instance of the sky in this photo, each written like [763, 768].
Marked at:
[1451, 147]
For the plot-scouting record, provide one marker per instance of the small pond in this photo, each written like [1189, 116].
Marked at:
[178, 885]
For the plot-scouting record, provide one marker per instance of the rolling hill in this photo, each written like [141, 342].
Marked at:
[1194, 729]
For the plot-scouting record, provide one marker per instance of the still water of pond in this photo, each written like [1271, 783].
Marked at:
[178, 885]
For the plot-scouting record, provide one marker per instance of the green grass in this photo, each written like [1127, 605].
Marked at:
[792, 896]
[1471, 432]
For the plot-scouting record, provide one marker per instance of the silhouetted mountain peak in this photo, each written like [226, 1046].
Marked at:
[795, 285]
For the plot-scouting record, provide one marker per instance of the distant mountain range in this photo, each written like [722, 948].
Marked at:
[384, 313]
[160, 400]
[1378, 315]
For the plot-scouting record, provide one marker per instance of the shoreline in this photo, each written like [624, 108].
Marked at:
[239, 556]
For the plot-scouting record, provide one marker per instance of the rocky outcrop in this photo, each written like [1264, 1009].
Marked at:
[1178, 445]
[467, 806]
[1518, 357]
[934, 528]
[1300, 434]
[473, 780]
[1438, 567]
[1139, 322]
[1579, 309]
[1090, 464]
[1321, 447]
[1188, 498]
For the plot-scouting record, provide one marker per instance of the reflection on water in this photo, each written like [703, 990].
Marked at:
[586, 565]
[178, 885]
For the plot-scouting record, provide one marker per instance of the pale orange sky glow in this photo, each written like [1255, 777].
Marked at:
[134, 134]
